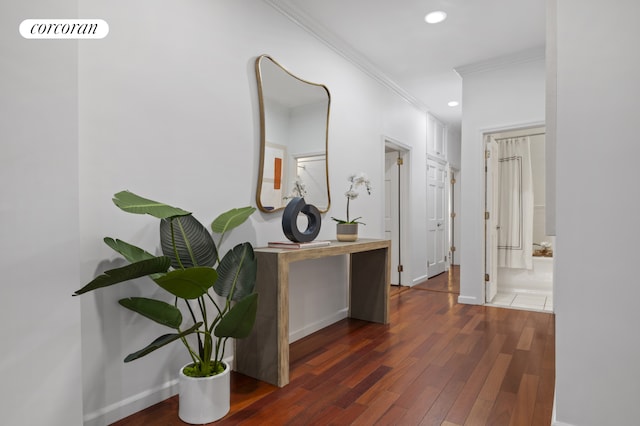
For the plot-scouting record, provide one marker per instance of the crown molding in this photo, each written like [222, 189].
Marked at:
[522, 57]
[339, 46]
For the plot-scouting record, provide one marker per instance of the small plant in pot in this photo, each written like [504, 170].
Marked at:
[190, 268]
[347, 230]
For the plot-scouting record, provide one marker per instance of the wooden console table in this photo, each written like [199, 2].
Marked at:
[264, 355]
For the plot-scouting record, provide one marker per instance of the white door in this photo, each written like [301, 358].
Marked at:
[436, 218]
[391, 212]
[492, 203]
[436, 137]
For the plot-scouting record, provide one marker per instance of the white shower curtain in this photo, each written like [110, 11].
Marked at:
[515, 215]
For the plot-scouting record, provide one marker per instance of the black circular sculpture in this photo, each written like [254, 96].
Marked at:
[296, 206]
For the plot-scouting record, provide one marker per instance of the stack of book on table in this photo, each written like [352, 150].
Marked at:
[295, 245]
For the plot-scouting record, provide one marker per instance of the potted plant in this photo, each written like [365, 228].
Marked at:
[191, 266]
[347, 230]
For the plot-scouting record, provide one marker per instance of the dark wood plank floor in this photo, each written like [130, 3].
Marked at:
[447, 282]
[437, 363]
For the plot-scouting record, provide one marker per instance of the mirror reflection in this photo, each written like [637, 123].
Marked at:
[294, 120]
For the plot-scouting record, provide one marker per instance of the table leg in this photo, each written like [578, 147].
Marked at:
[369, 277]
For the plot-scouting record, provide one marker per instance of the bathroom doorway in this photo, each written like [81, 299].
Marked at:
[518, 253]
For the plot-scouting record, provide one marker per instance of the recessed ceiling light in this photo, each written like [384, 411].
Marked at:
[435, 17]
[453, 103]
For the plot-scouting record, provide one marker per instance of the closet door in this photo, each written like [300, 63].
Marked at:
[436, 138]
[436, 217]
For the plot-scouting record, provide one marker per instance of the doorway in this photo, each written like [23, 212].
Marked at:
[518, 254]
[437, 220]
[396, 161]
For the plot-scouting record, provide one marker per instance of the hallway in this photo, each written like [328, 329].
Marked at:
[437, 363]
[446, 282]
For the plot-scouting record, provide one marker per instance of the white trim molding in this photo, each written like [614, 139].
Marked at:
[339, 46]
[469, 300]
[557, 423]
[128, 406]
[529, 55]
[554, 422]
[419, 280]
[318, 325]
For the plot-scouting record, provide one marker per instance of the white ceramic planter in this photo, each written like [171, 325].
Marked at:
[204, 399]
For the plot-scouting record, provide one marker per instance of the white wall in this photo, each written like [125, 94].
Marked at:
[454, 145]
[597, 292]
[405, 125]
[507, 95]
[538, 160]
[40, 333]
[169, 109]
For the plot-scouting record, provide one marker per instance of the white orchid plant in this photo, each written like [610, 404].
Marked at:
[355, 181]
[299, 189]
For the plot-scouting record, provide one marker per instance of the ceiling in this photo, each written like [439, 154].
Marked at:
[391, 40]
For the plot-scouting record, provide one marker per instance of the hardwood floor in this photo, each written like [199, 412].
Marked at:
[447, 282]
[437, 363]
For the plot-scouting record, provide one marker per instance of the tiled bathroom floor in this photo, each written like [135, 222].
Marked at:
[536, 302]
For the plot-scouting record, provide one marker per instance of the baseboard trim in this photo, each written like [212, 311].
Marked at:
[128, 406]
[554, 422]
[557, 423]
[469, 300]
[318, 325]
[419, 280]
[131, 405]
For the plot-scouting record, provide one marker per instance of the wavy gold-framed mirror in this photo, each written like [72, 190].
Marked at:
[294, 134]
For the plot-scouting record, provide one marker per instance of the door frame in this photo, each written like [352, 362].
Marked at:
[453, 201]
[490, 221]
[404, 153]
[483, 134]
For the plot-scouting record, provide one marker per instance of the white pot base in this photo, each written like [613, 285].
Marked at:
[204, 399]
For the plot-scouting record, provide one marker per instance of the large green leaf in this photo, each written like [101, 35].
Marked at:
[128, 251]
[237, 272]
[238, 322]
[132, 203]
[126, 273]
[231, 219]
[188, 283]
[131, 253]
[160, 342]
[156, 310]
[194, 243]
